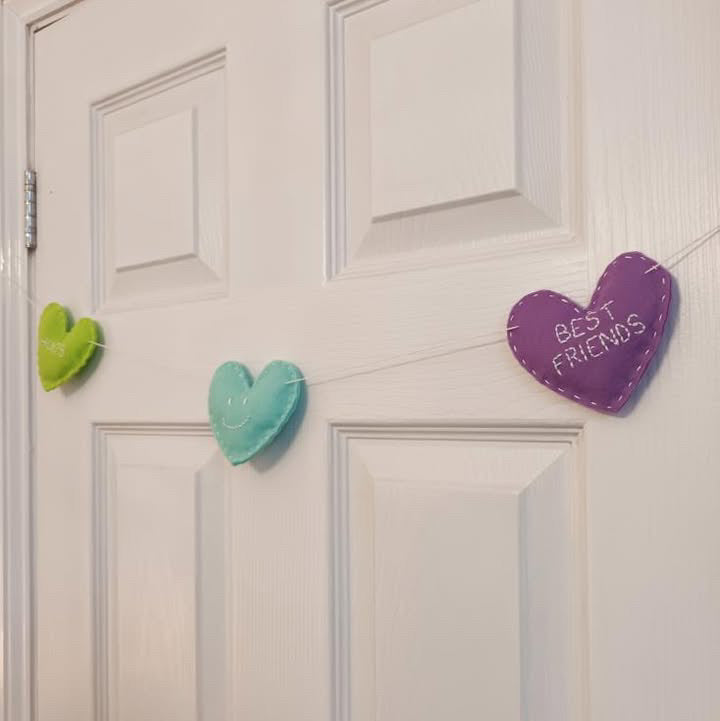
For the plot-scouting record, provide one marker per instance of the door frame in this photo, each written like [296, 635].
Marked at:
[20, 20]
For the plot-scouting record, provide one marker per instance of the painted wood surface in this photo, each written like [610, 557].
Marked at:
[437, 540]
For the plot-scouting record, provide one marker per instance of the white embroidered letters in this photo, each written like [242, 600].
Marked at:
[599, 343]
[53, 347]
[561, 330]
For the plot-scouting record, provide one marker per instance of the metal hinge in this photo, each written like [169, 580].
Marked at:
[30, 209]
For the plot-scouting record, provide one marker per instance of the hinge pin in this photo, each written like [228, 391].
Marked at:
[30, 209]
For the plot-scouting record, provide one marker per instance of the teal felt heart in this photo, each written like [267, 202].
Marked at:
[245, 416]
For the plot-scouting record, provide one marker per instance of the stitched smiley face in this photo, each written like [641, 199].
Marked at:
[247, 417]
[63, 353]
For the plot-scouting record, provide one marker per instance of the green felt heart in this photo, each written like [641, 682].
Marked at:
[246, 417]
[63, 353]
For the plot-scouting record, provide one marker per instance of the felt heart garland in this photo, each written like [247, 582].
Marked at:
[62, 351]
[245, 416]
[595, 355]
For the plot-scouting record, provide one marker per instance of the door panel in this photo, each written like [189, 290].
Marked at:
[159, 189]
[452, 131]
[347, 185]
[459, 566]
[161, 577]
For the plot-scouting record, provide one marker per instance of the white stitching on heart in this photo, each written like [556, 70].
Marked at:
[643, 364]
[292, 398]
[238, 426]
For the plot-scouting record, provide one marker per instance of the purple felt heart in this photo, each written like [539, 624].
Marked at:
[595, 355]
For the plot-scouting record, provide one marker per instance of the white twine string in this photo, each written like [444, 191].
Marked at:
[670, 262]
[679, 255]
[402, 361]
[143, 359]
[417, 356]
[17, 287]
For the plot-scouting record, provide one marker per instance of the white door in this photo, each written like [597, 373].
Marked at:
[348, 185]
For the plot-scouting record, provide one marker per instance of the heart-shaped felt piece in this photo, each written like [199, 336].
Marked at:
[595, 355]
[245, 416]
[62, 351]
